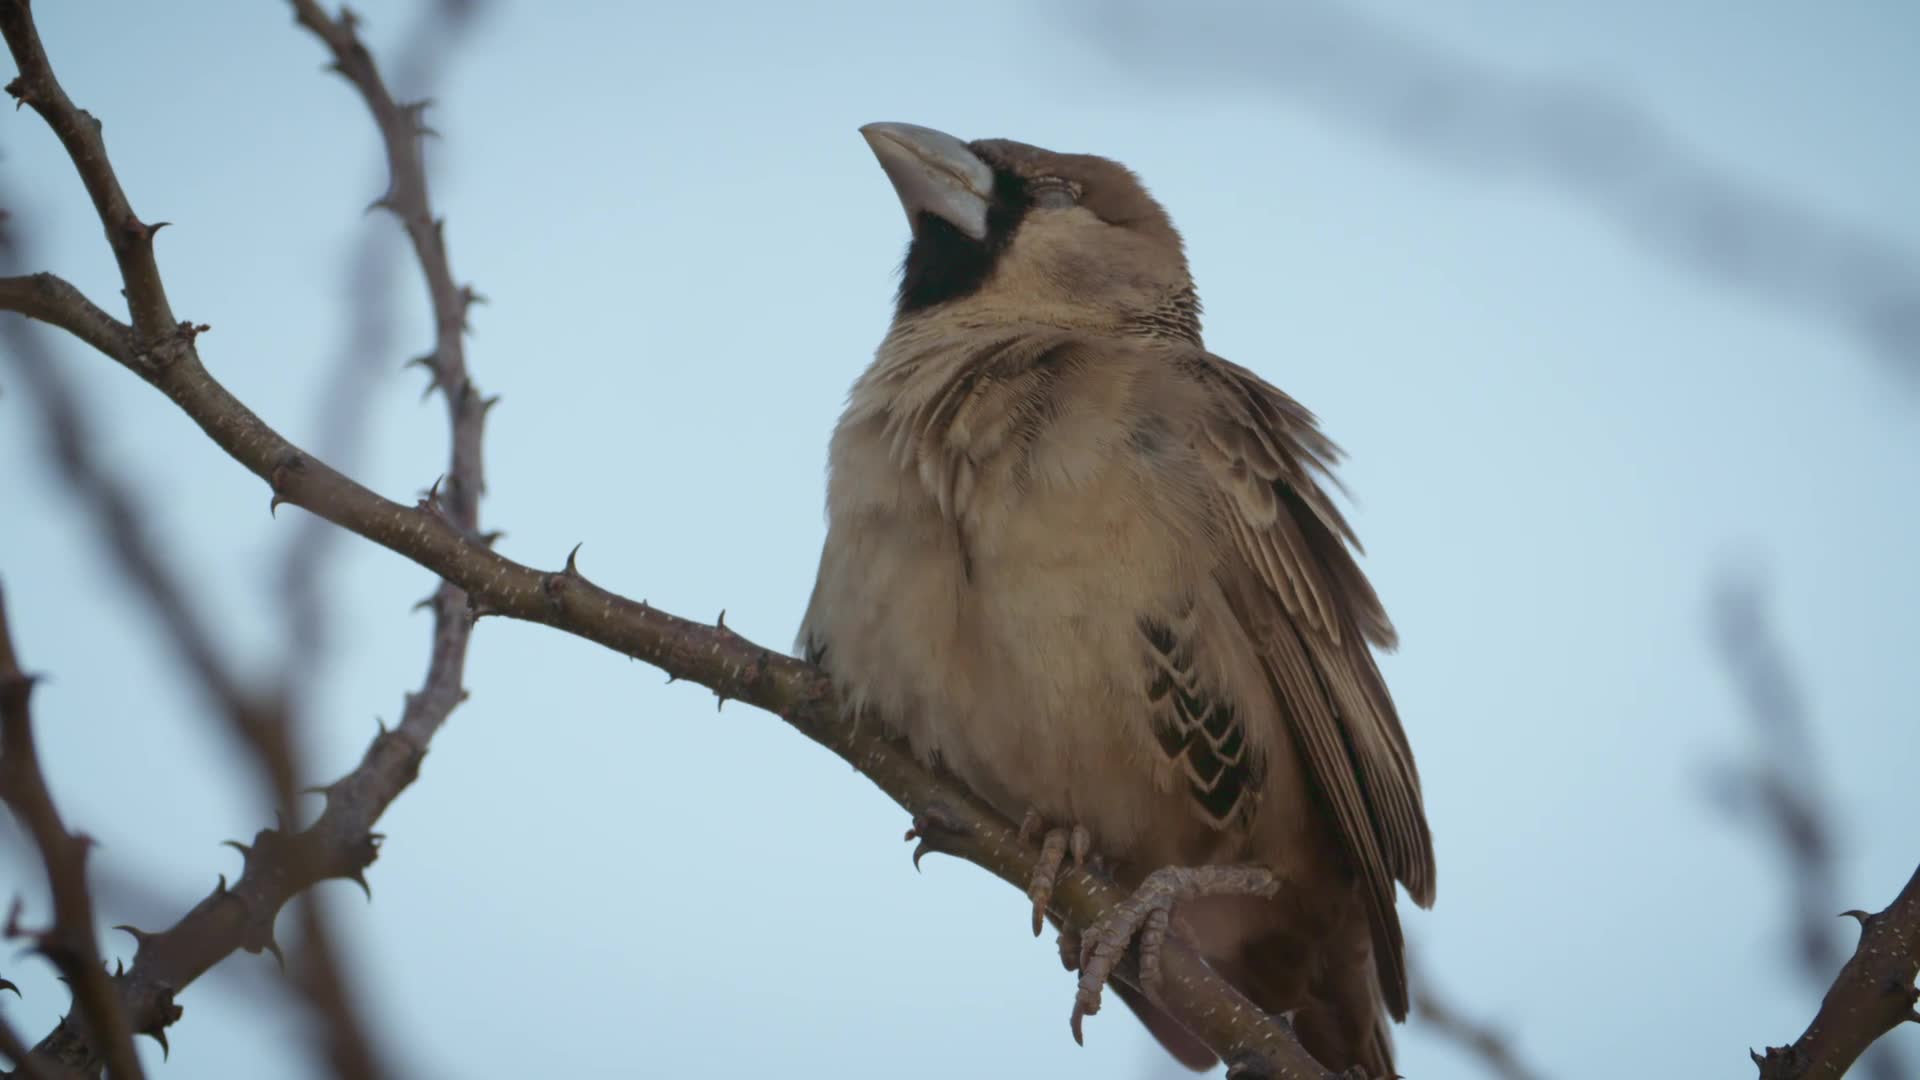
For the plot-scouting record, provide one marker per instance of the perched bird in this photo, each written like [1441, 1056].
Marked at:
[1090, 569]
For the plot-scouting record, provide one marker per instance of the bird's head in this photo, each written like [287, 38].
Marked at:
[1007, 231]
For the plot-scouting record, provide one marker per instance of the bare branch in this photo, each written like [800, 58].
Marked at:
[53, 301]
[69, 942]
[1781, 790]
[280, 864]
[25, 1065]
[1476, 1038]
[1599, 148]
[1873, 994]
[77, 130]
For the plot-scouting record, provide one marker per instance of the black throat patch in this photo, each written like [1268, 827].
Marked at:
[945, 264]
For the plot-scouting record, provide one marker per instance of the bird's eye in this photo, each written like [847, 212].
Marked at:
[1051, 194]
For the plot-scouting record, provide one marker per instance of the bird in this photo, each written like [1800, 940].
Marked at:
[1095, 572]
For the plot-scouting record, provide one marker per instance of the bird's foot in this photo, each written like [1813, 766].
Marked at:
[935, 827]
[1069, 949]
[1055, 846]
[1145, 916]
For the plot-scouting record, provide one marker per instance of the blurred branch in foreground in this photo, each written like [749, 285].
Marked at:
[1780, 791]
[1591, 143]
[1482, 1042]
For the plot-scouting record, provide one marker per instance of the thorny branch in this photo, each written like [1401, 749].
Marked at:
[1780, 789]
[343, 411]
[279, 863]
[1599, 148]
[1873, 994]
[69, 943]
[440, 534]
[1479, 1040]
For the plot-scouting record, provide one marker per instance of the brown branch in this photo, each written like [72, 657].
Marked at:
[1476, 1038]
[1781, 790]
[69, 942]
[340, 843]
[1596, 147]
[26, 1065]
[260, 723]
[439, 537]
[77, 130]
[1873, 994]
[53, 301]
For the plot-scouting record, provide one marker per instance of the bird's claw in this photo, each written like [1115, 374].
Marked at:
[935, 827]
[1145, 916]
[1055, 846]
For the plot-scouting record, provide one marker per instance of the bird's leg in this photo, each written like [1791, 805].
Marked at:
[1055, 846]
[1145, 915]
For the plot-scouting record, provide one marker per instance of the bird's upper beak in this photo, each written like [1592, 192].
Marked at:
[934, 173]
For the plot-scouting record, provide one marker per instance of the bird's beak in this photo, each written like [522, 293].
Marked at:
[934, 173]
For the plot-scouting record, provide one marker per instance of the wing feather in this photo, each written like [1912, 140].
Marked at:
[1312, 614]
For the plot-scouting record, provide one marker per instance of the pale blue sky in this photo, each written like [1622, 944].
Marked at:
[1557, 435]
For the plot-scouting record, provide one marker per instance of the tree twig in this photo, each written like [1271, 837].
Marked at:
[1602, 149]
[69, 942]
[1780, 789]
[1476, 1038]
[340, 844]
[1873, 994]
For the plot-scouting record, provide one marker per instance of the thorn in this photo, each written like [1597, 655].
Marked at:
[245, 851]
[360, 878]
[159, 1035]
[422, 605]
[277, 479]
[1757, 1059]
[488, 539]
[721, 703]
[273, 947]
[119, 967]
[435, 375]
[141, 231]
[384, 202]
[413, 112]
[5, 985]
[431, 499]
[1857, 915]
[672, 678]
[221, 889]
[572, 570]
[139, 936]
[18, 89]
[471, 296]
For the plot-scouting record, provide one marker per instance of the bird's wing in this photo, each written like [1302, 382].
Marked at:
[1303, 599]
